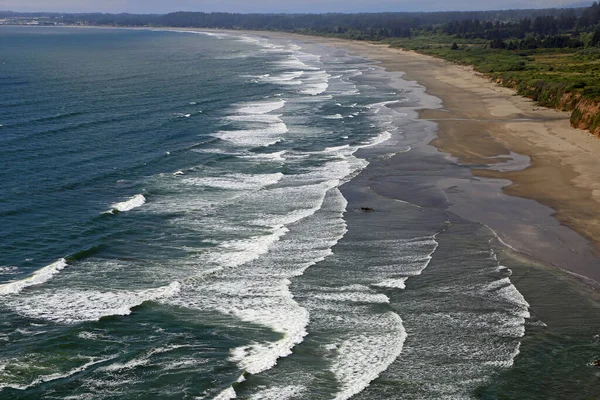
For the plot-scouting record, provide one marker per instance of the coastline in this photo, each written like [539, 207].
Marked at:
[429, 281]
[534, 177]
[546, 169]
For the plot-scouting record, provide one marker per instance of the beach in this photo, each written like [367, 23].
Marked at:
[482, 124]
[266, 215]
[549, 170]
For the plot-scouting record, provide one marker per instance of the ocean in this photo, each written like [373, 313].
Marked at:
[203, 215]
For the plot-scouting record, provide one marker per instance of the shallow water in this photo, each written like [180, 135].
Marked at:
[182, 217]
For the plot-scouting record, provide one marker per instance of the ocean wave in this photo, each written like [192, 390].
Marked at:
[504, 289]
[381, 138]
[142, 360]
[8, 270]
[293, 62]
[261, 295]
[239, 252]
[182, 115]
[286, 78]
[226, 394]
[383, 103]
[260, 137]
[315, 83]
[37, 278]
[289, 319]
[509, 361]
[136, 201]
[258, 108]
[53, 377]
[237, 181]
[266, 118]
[353, 297]
[74, 306]
[277, 156]
[362, 358]
[218, 35]
[279, 393]
[399, 283]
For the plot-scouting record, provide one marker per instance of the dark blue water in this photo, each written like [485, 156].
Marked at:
[181, 218]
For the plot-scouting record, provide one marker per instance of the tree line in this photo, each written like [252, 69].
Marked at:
[507, 29]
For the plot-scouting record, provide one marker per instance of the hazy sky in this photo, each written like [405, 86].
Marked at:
[164, 6]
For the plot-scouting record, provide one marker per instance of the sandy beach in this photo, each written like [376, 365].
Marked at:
[535, 178]
[550, 163]
[299, 217]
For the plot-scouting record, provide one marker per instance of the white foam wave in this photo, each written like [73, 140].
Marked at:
[509, 361]
[226, 394]
[315, 83]
[261, 294]
[382, 105]
[74, 306]
[136, 201]
[336, 149]
[353, 297]
[212, 34]
[182, 115]
[56, 376]
[264, 137]
[393, 283]
[381, 138]
[239, 252]
[286, 78]
[37, 278]
[362, 358]
[8, 270]
[279, 393]
[288, 318]
[334, 116]
[266, 118]
[294, 63]
[277, 156]
[144, 359]
[258, 108]
[504, 289]
[237, 181]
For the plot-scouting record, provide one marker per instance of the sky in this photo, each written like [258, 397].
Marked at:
[276, 6]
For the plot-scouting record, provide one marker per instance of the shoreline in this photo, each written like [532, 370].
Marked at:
[393, 260]
[548, 208]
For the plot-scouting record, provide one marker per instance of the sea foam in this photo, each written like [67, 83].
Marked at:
[128, 205]
[258, 108]
[362, 358]
[74, 306]
[37, 278]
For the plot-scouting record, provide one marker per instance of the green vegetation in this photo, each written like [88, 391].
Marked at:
[564, 78]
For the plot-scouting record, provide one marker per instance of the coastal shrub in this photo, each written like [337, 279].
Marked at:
[553, 77]
[592, 93]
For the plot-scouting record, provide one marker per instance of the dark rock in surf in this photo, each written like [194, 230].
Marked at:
[366, 209]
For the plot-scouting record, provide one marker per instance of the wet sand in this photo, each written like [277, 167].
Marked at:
[535, 179]
[552, 212]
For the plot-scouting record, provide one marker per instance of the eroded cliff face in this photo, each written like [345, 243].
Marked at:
[585, 112]
[586, 115]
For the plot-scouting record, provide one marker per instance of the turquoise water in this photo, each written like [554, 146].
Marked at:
[181, 218]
